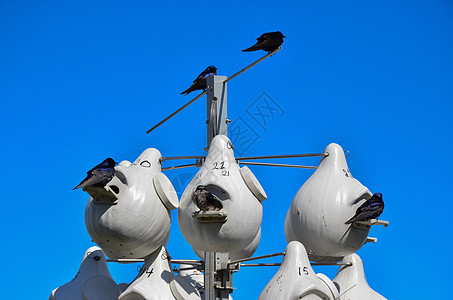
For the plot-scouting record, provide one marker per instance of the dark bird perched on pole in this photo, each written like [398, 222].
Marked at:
[200, 82]
[268, 41]
[100, 175]
[206, 200]
[370, 209]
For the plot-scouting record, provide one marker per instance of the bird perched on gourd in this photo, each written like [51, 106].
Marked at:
[205, 200]
[100, 175]
[370, 209]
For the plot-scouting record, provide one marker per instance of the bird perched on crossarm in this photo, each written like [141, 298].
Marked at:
[200, 82]
[370, 209]
[268, 41]
[100, 175]
[205, 200]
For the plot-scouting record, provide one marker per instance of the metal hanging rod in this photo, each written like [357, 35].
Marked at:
[283, 156]
[126, 260]
[255, 258]
[173, 261]
[177, 111]
[275, 165]
[226, 80]
[181, 157]
[179, 167]
[261, 265]
[279, 264]
[331, 264]
[192, 262]
[252, 64]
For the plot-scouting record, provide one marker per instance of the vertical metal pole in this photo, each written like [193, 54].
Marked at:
[217, 276]
[209, 270]
[218, 279]
[216, 106]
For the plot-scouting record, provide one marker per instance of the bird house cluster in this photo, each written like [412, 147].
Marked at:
[129, 215]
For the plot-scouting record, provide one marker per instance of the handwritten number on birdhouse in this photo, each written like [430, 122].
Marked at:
[347, 173]
[305, 270]
[225, 173]
[218, 166]
[149, 272]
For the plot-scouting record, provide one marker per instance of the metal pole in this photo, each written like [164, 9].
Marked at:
[252, 64]
[170, 116]
[276, 165]
[282, 156]
[209, 270]
[179, 167]
[255, 258]
[216, 106]
[180, 157]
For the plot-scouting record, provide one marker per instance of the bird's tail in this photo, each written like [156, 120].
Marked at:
[190, 89]
[252, 48]
[351, 220]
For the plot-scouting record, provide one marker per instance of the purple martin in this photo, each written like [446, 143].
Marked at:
[268, 41]
[370, 209]
[206, 200]
[200, 82]
[99, 175]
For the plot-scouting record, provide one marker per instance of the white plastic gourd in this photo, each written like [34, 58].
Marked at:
[93, 280]
[352, 283]
[295, 279]
[138, 223]
[238, 233]
[153, 280]
[321, 207]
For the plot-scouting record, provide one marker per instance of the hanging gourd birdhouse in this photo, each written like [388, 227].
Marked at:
[321, 207]
[138, 221]
[295, 279]
[93, 280]
[351, 282]
[221, 207]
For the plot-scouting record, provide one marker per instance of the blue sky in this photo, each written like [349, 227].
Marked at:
[81, 81]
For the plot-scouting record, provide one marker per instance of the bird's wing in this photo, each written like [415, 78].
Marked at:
[262, 38]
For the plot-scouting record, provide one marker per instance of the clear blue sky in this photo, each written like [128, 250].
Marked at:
[81, 81]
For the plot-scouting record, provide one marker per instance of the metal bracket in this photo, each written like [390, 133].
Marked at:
[210, 216]
[368, 223]
[102, 195]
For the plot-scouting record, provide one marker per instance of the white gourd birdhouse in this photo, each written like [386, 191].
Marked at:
[93, 280]
[138, 222]
[153, 280]
[236, 227]
[352, 283]
[323, 204]
[295, 279]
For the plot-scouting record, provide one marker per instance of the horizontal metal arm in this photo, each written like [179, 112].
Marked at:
[126, 260]
[177, 111]
[252, 64]
[192, 262]
[279, 264]
[261, 265]
[181, 157]
[275, 165]
[179, 167]
[283, 156]
[173, 261]
[255, 258]
[331, 264]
